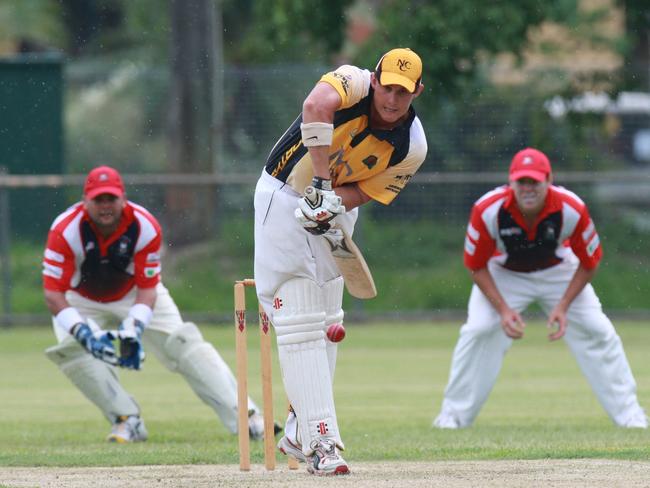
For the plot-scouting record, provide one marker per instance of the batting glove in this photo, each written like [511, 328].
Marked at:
[131, 351]
[316, 228]
[100, 344]
[318, 206]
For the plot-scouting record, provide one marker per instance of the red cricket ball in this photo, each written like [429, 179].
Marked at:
[336, 332]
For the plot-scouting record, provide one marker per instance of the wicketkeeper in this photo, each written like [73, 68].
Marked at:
[532, 241]
[102, 265]
[357, 139]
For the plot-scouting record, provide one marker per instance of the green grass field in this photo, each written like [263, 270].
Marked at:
[388, 387]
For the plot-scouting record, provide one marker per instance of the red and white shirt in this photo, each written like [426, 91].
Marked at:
[79, 258]
[497, 230]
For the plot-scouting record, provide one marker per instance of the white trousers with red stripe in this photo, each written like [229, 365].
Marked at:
[590, 336]
[283, 249]
[296, 269]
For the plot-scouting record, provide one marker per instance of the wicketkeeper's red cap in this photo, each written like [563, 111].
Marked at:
[103, 179]
[530, 163]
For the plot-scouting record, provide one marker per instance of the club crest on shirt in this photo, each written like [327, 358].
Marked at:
[340, 163]
[151, 272]
[123, 245]
[548, 232]
[510, 231]
[370, 161]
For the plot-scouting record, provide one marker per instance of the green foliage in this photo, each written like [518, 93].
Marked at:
[129, 131]
[428, 256]
[636, 45]
[203, 280]
[483, 132]
[33, 20]
[388, 374]
[147, 24]
[416, 263]
[453, 37]
[288, 30]
[26, 290]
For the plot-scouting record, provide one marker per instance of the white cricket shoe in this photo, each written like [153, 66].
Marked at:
[446, 420]
[256, 426]
[637, 421]
[326, 460]
[288, 448]
[128, 429]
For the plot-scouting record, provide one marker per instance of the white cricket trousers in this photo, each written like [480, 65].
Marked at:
[202, 366]
[283, 248]
[299, 266]
[590, 336]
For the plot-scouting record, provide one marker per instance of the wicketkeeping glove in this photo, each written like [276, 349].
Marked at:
[130, 335]
[99, 344]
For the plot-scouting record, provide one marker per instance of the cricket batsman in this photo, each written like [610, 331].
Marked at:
[357, 139]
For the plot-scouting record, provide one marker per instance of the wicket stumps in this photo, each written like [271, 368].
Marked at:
[241, 350]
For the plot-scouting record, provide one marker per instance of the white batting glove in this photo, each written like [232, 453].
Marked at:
[316, 228]
[318, 206]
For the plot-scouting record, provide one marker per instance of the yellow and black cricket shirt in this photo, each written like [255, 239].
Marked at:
[381, 162]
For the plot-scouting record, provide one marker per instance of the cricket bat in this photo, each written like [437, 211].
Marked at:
[351, 264]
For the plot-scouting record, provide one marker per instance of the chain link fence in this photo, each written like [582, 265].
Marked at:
[414, 246]
[116, 114]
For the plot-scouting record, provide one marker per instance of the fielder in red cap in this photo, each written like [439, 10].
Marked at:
[532, 241]
[102, 264]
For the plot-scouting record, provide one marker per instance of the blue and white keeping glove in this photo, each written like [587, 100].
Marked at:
[318, 207]
[130, 335]
[99, 344]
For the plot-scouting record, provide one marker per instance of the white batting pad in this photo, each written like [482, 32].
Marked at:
[97, 380]
[299, 322]
[205, 371]
[333, 295]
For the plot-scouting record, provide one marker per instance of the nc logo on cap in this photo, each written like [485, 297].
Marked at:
[527, 160]
[403, 64]
[103, 177]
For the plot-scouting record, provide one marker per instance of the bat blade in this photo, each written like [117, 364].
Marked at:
[351, 264]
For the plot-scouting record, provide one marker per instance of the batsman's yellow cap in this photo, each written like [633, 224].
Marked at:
[400, 66]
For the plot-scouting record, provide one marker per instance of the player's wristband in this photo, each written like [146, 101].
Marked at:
[68, 318]
[321, 183]
[317, 134]
[141, 312]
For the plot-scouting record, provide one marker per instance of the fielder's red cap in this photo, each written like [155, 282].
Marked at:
[103, 179]
[530, 163]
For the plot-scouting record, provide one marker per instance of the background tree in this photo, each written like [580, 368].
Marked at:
[286, 31]
[37, 22]
[194, 61]
[454, 38]
[637, 52]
